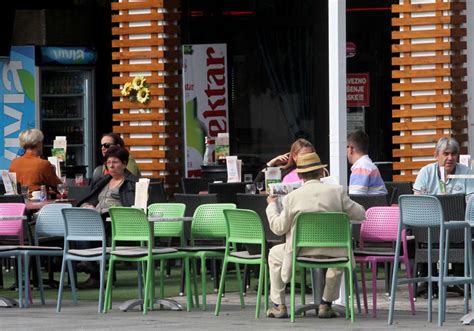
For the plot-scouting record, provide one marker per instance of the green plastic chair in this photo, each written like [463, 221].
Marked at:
[208, 223]
[244, 226]
[131, 224]
[168, 230]
[322, 230]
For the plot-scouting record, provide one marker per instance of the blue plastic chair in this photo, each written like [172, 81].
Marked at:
[49, 223]
[423, 211]
[83, 224]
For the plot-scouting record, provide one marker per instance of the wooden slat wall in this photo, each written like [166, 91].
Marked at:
[147, 43]
[429, 102]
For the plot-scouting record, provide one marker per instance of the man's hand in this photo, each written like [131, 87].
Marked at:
[271, 199]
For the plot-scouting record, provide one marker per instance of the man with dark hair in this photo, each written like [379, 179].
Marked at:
[313, 196]
[365, 176]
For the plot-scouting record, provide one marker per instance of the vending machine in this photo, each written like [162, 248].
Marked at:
[66, 102]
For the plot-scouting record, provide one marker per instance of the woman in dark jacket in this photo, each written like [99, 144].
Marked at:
[117, 188]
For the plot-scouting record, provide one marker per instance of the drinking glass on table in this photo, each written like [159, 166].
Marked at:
[61, 189]
[260, 187]
[250, 188]
[79, 179]
[25, 192]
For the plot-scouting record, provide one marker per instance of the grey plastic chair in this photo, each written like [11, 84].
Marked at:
[49, 223]
[83, 224]
[7, 252]
[423, 211]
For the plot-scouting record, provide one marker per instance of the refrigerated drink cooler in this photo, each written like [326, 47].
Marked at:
[67, 109]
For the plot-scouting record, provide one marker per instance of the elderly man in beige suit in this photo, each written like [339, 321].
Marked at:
[313, 196]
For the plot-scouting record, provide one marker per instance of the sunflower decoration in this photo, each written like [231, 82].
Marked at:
[137, 90]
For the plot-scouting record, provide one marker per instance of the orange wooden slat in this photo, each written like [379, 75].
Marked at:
[152, 41]
[171, 141]
[438, 111]
[145, 67]
[429, 99]
[441, 59]
[411, 165]
[428, 7]
[437, 33]
[407, 21]
[146, 129]
[413, 152]
[154, 154]
[155, 28]
[439, 46]
[145, 17]
[169, 79]
[125, 104]
[145, 4]
[443, 85]
[422, 125]
[154, 54]
[404, 178]
[168, 91]
[431, 138]
[445, 72]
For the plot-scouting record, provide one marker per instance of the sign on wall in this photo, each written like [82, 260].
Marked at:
[17, 99]
[357, 89]
[205, 100]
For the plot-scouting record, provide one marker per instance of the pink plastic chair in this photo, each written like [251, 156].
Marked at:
[12, 227]
[381, 225]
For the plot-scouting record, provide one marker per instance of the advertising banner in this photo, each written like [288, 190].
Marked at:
[205, 100]
[358, 94]
[17, 99]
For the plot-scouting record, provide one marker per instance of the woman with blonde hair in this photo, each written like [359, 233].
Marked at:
[287, 161]
[30, 169]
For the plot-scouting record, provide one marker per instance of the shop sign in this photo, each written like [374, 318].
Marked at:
[205, 100]
[68, 56]
[17, 100]
[357, 90]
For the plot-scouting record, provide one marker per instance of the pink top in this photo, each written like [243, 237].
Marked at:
[291, 177]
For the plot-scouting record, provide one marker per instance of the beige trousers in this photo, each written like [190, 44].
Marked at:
[280, 274]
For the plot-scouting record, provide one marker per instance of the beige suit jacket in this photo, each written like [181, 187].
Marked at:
[313, 196]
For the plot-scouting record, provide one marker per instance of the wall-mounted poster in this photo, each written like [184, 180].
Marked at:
[358, 90]
[17, 100]
[205, 100]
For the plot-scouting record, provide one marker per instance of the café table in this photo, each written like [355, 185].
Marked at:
[171, 304]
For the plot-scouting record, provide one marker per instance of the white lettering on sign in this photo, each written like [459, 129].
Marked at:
[70, 54]
[215, 116]
[8, 101]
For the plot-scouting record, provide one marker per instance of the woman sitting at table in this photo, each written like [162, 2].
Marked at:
[108, 140]
[30, 169]
[117, 188]
[287, 162]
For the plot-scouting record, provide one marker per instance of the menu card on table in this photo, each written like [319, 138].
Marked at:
[9, 181]
[234, 169]
[141, 193]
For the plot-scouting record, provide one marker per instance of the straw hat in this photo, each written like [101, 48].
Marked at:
[309, 162]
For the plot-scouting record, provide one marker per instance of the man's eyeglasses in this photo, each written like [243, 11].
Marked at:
[106, 145]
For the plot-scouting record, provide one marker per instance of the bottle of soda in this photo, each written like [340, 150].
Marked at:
[44, 193]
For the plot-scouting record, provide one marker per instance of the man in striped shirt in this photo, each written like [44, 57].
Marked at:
[365, 176]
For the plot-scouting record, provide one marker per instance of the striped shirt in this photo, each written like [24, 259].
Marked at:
[365, 178]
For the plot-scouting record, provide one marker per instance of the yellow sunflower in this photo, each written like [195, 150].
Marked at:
[143, 95]
[138, 82]
[127, 88]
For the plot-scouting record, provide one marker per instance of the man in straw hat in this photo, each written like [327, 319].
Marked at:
[313, 196]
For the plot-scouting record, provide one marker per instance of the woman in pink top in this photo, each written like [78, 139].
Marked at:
[287, 162]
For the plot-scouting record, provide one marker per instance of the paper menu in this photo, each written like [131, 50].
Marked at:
[141, 193]
[55, 162]
[9, 181]
[59, 148]
[234, 169]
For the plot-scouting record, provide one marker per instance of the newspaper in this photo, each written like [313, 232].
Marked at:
[283, 188]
